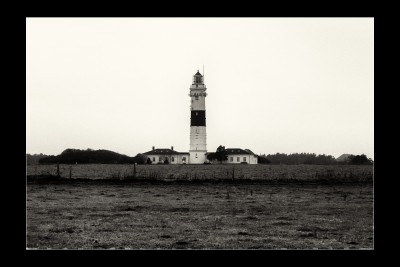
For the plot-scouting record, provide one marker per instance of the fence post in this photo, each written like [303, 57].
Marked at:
[58, 170]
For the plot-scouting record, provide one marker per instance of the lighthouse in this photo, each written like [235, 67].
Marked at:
[198, 136]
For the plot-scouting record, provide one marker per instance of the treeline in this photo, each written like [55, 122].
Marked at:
[73, 156]
[34, 159]
[359, 160]
[310, 158]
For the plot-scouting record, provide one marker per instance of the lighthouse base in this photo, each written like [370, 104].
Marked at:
[197, 157]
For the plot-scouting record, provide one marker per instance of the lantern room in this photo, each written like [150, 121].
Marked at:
[198, 78]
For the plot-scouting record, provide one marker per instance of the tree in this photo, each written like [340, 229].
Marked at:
[263, 160]
[148, 161]
[211, 156]
[34, 159]
[360, 160]
[71, 156]
[221, 154]
[297, 158]
[166, 161]
[140, 158]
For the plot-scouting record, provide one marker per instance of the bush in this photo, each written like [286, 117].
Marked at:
[359, 160]
[141, 159]
[263, 160]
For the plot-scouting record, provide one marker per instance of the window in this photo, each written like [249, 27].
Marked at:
[172, 159]
[184, 159]
[231, 159]
[154, 158]
[244, 158]
[238, 159]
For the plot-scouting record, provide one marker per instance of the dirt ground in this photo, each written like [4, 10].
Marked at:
[199, 216]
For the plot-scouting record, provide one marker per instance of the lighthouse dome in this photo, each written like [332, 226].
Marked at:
[198, 78]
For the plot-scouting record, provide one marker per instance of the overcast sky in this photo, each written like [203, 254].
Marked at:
[274, 84]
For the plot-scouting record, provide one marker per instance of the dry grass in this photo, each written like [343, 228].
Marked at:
[340, 173]
[209, 216]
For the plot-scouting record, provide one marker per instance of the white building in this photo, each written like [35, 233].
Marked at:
[164, 155]
[239, 156]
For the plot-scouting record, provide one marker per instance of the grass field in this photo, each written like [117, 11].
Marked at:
[340, 173]
[119, 215]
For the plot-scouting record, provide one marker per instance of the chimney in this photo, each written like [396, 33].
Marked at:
[172, 148]
[153, 147]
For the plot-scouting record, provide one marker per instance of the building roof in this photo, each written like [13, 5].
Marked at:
[251, 152]
[198, 73]
[237, 151]
[162, 151]
[165, 151]
[343, 157]
[234, 151]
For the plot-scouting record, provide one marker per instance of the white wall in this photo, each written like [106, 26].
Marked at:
[177, 158]
[250, 159]
[198, 138]
[197, 157]
[201, 158]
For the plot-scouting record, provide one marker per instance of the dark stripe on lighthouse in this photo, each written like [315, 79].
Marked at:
[198, 118]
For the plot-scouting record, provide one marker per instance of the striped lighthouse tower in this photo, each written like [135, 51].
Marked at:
[198, 144]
